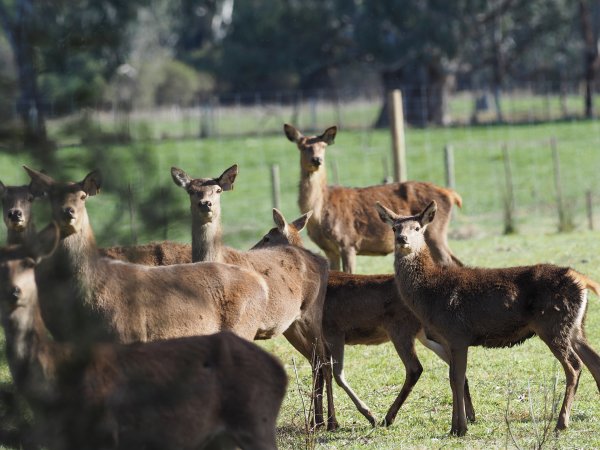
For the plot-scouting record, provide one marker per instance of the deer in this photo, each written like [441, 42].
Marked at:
[108, 300]
[472, 306]
[343, 223]
[17, 215]
[364, 310]
[296, 277]
[183, 393]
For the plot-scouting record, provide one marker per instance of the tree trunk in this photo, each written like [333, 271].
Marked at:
[590, 57]
[425, 92]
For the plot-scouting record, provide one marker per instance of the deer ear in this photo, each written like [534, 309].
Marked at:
[180, 178]
[301, 221]
[92, 182]
[291, 133]
[228, 177]
[46, 242]
[2, 189]
[40, 182]
[385, 214]
[279, 220]
[329, 135]
[428, 213]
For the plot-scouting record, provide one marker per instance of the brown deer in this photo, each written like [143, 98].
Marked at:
[16, 208]
[343, 221]
[365, 310]
[179, 393]
[296, 278]
[465, 306]
[163, 253]
[108, 300]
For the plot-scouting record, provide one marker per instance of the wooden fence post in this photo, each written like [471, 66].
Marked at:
[397, 128]
[564, 223]
[590, 209]
[449, 165]
[509, 196]
[275, 186]
[131, 215]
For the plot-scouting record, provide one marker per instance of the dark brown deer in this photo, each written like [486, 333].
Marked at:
[296, 278]
[463, 306]
[179, 393]
[365, 310]
[108, 300]
[16, 209]
[344, 224]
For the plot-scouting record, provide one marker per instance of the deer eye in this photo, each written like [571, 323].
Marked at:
[417, 228]
[29, 263]
[219, 190]
[84, 196]
[30, 198]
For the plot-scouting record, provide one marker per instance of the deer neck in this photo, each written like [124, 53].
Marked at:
[20, 237]
[207, 244]
[415, 274]
[32, 356]
[313, 192]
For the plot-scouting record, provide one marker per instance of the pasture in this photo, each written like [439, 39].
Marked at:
[139, 203]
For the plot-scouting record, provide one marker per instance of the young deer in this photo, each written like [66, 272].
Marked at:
[365, 310]
[16, 208]
[343, 222]
[83, 295]
[296, 278]
[178, 393]
[463, 306]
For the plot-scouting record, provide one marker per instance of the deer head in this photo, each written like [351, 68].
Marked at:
[205, 193]
[16, 206]
[18, 292]
[284, 233]
[67, 200]
[409, 231]
[312, 148]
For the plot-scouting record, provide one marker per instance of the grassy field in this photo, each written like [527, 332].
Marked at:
[139, 202]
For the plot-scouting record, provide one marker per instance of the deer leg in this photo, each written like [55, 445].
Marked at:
[405, 347]
[438, 245]
[349, 259]
[458, 368]
[336, 346]
[441, 353]
[589, 357]
[325, 371]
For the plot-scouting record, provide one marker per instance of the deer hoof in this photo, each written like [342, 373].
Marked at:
[458, 431]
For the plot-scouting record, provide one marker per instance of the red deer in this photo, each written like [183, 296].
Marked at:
[296, 278]
[343, 222]
[366, 310]
[152, 254]
[466, 306]
[16, 208]
[107, 300]
[179, 393]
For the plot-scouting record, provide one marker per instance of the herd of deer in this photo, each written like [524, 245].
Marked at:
[149, 345]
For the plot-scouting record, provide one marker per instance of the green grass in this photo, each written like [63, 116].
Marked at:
[161, 210]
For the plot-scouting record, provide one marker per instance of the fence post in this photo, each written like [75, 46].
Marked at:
[449, 165]
[131, 215]
[397, 128]
[564, 224]
[275, 186]
[590, 209]
[335, 174]
[509, 197]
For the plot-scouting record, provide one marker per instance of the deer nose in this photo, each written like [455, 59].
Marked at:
[15, 214]
[205, 205]
[68, 213]
[15, 293]
[316, 161]
[401, 239]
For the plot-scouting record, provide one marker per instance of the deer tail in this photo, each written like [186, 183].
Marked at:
[585, 282]
[454, 197]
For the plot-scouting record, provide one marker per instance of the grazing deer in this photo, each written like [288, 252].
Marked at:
[296, 278]
[16, 208]
[343, 222]
[108, 300]
[366, 310]
[179, 393]
[463, 306]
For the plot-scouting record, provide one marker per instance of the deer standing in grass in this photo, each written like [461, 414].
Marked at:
[85, 296]
[296, 278]
[16, 212]
[179, 393]
[464, 306]
[366, 310]
[343, 223]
